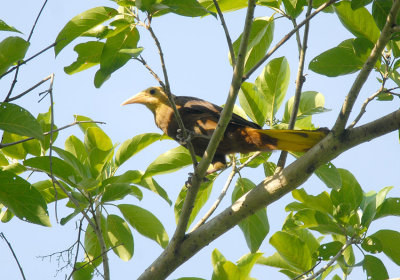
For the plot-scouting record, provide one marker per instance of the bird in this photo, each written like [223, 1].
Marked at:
[200, 119]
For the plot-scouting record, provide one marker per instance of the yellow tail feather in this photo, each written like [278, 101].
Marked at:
[294, 140]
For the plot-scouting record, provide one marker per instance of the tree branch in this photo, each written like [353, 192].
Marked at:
[163, 269]
[228, 37]
[28, 90]
[366, 70]
[14, 255]
[268, 191]
[285, 38]
[349, 242]
[299, 84]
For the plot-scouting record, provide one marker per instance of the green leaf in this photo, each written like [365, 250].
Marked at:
[89, 54]
[73, 161]
[319, 221]
[350, 194]
[14, 151]
[348, 57]
[255, 227]
[169, 161]
[260, 38]
[329, 174]
[375, 268]
[88, 122]
[83, 271]
[328, 250]
[223, 269]
[5, 27]
[321, 202]
[390, 241]
[92, 244]
[45, 121]
[12, 50]
[246, 263]
[273, 83]
[201, 198]
[120, 237]
[60, 169]
[77, 148]
[389, 207]
[189, 8]
[269, 168]
[136, 177]
[145, 223]
[99, 147]
[294, 7]
[253, 103]
[116, 191]
[48, 190]
[359, 22]
[372, 244]
[82, 23]
[380, 11]
[134, 145]
[292, 249]
[22, 199]
[277, 261]
[311, 102]
[112, 58]
[32, 147]
[17, 120]
[225, 5]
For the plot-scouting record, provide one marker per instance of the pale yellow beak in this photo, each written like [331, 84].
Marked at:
[138, 98]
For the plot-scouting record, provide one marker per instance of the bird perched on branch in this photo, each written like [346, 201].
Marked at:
[200, 118]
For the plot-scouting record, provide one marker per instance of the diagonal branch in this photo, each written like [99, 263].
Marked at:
[367, 68]
[268, 191]
[14, 255]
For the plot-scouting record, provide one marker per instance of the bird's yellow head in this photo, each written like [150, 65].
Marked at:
[152, 98]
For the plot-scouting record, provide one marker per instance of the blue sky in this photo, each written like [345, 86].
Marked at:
[197, 60]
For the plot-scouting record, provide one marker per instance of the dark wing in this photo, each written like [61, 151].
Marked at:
[201, 109]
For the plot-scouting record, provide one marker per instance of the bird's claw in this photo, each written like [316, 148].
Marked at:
[189, 181]
[181, 139]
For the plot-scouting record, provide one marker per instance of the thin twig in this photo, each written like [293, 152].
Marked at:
[170, 97]
[349, 242]
[28, 90]
[228, 37]
[100, 238]
[364, 73]
[308, 271]
[154, 74]
[285, 38]
[13, 253]
[47, 133]
[37, 19]
[299, 85]
[224, 189]
[26, 61]
[217, 135]
[19, 62]
[298, 40]
[78, 241]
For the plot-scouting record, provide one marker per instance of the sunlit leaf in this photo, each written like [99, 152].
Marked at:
[120, 237]
[17, 120]
[255, 227]
[89, 54]
[390, 241]
[374, 268]
[145, 223]
[329, 174]
[5, 27]
[82, 23]
[134, 145]
[169, 161]
[12, 50]
[22, 199]
[253, 103]
[359, 22]
[273, 83]
[14, 151]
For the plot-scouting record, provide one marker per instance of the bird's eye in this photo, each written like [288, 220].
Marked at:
[152, 91]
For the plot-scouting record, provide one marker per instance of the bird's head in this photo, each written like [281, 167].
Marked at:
[152, 97]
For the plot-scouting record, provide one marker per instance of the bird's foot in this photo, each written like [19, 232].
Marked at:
[184, 140]
[189, 181]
